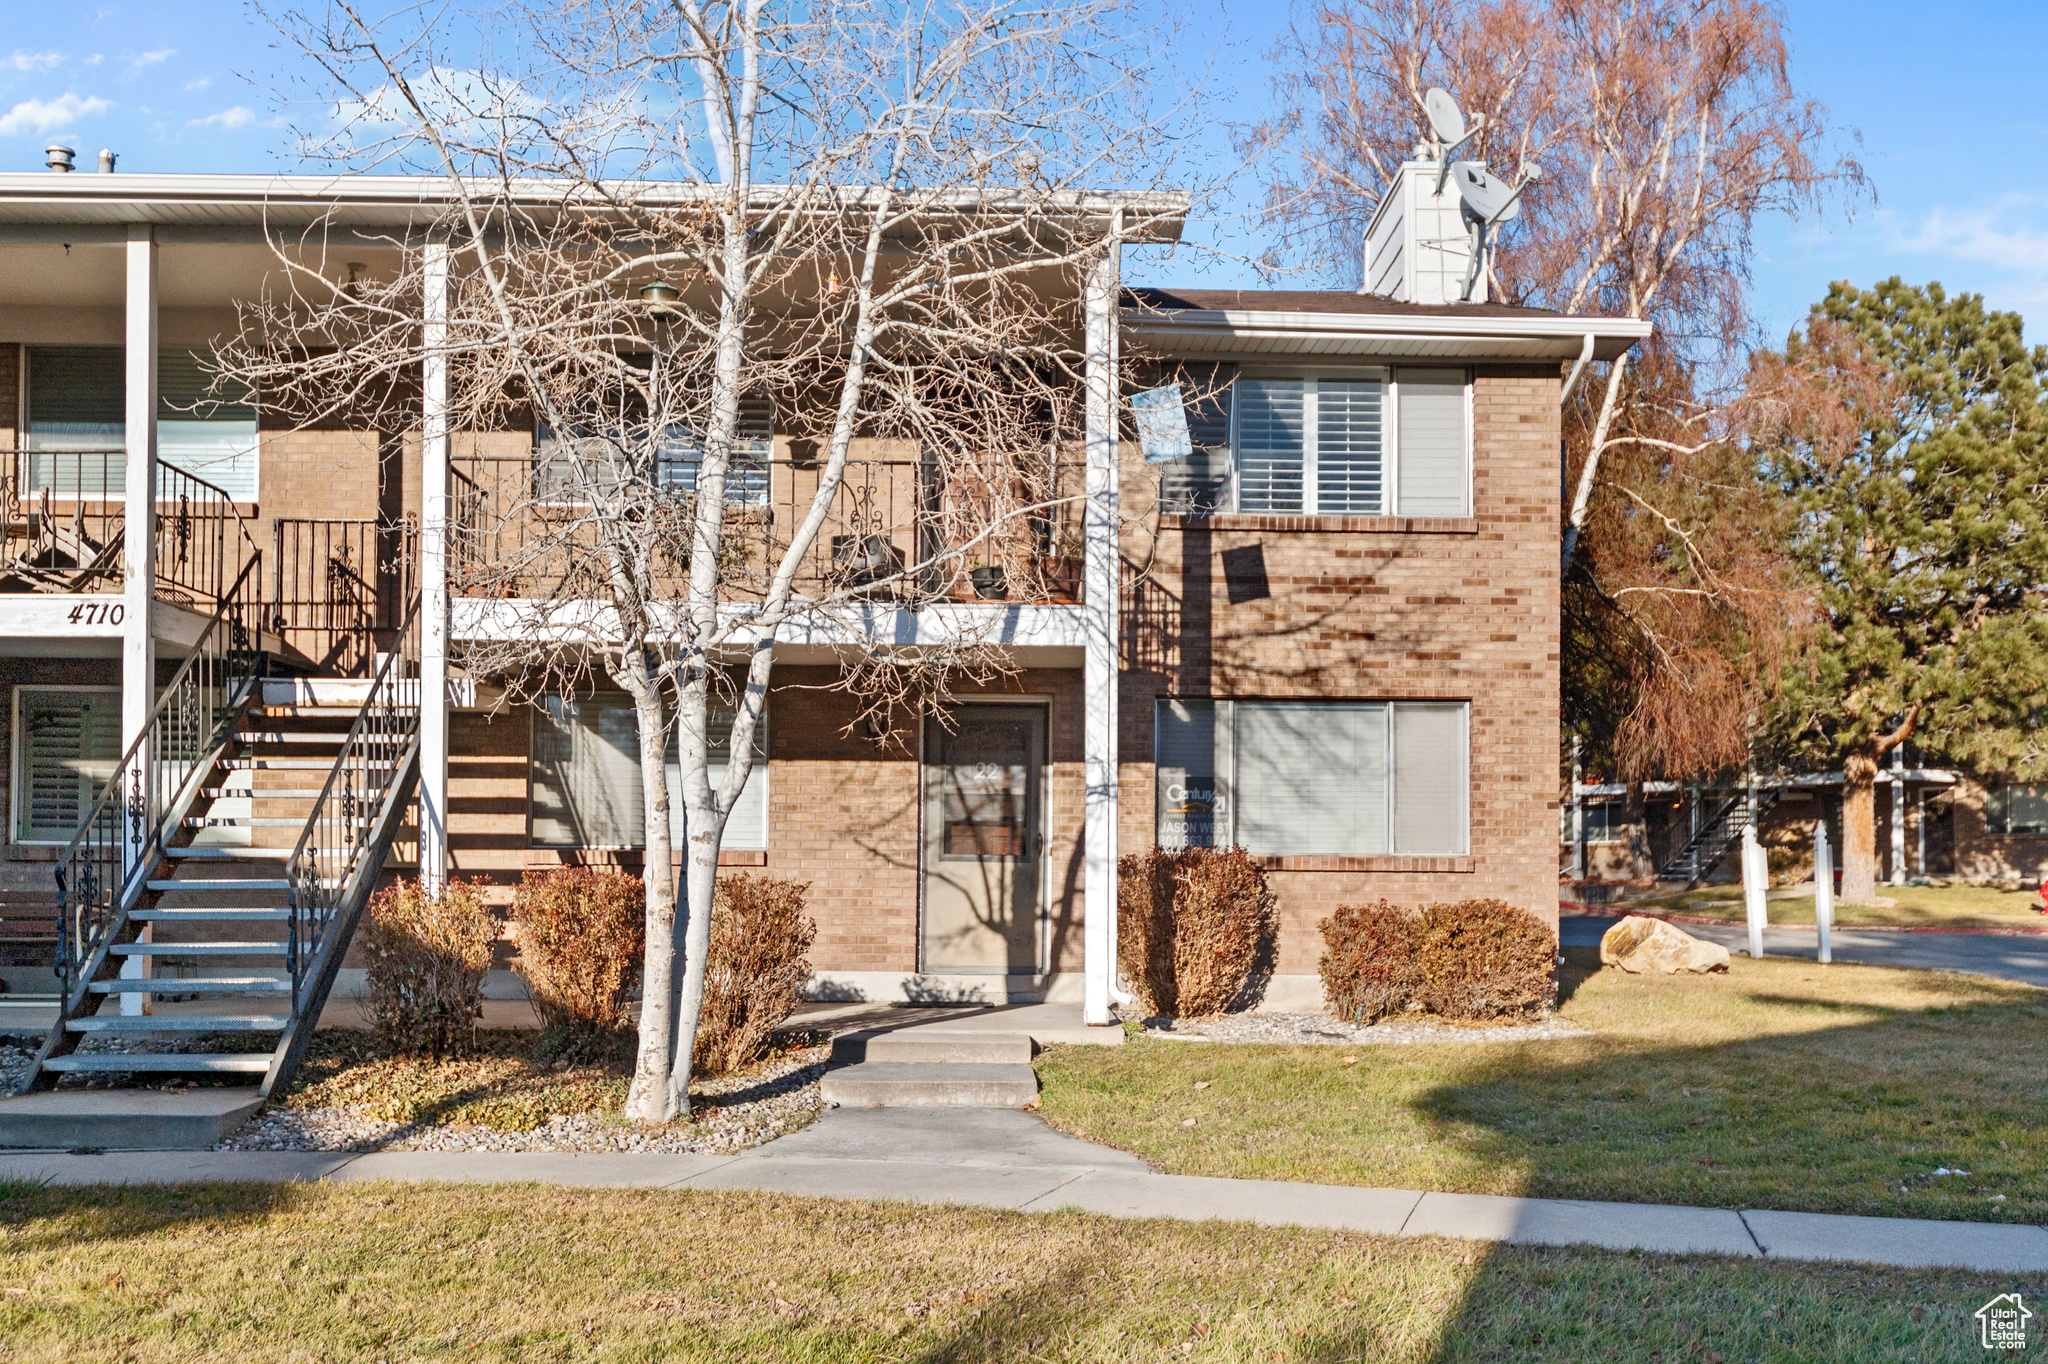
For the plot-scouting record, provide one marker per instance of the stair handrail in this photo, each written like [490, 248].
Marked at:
[123, 835]
[325, 864]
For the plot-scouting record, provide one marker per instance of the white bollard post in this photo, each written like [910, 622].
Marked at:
[1823, 890]
[1756, 875]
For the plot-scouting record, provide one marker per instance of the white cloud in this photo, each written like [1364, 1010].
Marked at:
[43, 115]
[151, 58]
[237, 117]
[24, 60]
[199, 84]
[94, 60]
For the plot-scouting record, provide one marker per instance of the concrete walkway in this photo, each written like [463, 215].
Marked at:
[2020, 958]
[999, 1158]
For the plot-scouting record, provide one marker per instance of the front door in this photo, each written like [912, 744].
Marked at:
[983, 803]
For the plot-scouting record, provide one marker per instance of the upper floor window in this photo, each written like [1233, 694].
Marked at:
[2017, 809]
[678, 457]
[77, 422]
[1361, 442]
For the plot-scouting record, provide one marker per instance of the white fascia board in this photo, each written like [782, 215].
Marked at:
[1250, 332]
[398, 200]
[856, 627]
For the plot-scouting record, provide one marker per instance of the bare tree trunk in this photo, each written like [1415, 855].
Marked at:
[1582, 499]
[1859, 828]
[653, 1096]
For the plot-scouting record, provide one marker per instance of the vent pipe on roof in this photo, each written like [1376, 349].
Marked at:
[107, 160]
[58, 158]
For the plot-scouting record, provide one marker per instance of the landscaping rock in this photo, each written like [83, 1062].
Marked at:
[1652, 947]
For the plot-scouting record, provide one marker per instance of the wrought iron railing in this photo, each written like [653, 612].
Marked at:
[339, 587]
[903, 528]
[124, 833]
[63, 522]
[331, 852]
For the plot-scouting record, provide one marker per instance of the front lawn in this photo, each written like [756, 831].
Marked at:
[1782, 1084]
[406, 1272]
[1917, 907]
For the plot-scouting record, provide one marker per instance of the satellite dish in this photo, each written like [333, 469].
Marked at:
[1444, 119]
[1488, 196]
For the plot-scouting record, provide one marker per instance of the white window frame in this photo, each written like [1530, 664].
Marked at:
[1390, 432]
[18, 776]
[1229, 796]
[27, 450]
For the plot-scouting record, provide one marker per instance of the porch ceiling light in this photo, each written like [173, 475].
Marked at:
[658, 295]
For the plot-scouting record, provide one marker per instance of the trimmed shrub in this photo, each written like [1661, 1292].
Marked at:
[1223, 927]
[1368, 964]
[1144, 927]
[1195, 929]
[581, 933]
[755, 973]
[1484, 959]
[426, 960]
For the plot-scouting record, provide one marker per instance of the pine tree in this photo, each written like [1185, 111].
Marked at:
[1906, 429]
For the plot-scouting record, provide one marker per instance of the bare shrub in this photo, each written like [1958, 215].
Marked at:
[1223, 922]
[1368, 966]
[1484, 959]
[1144, 927]
[427, 956]
[755, 972]
[581, 935]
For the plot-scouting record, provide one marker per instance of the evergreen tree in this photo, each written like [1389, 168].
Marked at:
[1905, 428]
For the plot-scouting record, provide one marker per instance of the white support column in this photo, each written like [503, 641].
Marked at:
[433, 798]
[138, 547]
[1099, 675]
[1899, 815]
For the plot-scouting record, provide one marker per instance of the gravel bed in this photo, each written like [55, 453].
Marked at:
[16, 1054]
[752, 1108]
[1321, 1029]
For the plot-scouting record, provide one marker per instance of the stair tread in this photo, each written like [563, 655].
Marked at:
[195, 985]
[200, 916]
[242, 948]
[179, 1023]
[238, 1062]
[224, 884]
[228, 852]
[261, 793]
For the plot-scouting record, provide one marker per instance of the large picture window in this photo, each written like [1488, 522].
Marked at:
[584, 777]
[1313, 778]
[1364, 442]
[77, 422]
[2017, 809]
[67, 741]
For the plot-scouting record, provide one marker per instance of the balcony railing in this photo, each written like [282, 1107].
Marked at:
[907, 530]
[339, 587]
[63, 522]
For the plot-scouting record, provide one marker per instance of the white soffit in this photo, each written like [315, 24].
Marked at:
[1217, 332]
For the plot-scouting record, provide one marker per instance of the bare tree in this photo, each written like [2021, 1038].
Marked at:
[1666, 129]
[666, 213]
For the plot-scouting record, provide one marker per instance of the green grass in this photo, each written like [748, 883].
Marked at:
[1917, 907]
[1781, 1084]
[395, 1272]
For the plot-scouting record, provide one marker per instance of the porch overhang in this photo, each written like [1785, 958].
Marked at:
[1446, 334]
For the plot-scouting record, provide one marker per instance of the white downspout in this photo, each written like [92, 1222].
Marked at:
[1578, 369]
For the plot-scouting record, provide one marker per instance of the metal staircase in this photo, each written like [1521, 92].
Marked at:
[1717, 837]
[214, 890]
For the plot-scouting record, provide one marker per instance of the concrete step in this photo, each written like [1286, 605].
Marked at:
[267, 883]
[208, 916]
[323, 692]
[228, 852]
[195, 985]
[152, 1023]
[198, 949]
[904, 1084]
[125, 1119]
[929, 1046]
[163, 1062]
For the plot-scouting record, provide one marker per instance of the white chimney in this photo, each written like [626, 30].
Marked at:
[1418, 247]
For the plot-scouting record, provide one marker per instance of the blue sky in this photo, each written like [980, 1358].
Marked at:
[1939, 94]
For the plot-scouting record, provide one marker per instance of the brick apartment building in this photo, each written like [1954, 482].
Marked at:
[1330, 634]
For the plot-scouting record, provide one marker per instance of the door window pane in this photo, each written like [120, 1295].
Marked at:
[985, 787]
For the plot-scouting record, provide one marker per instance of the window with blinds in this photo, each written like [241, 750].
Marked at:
[1200, 483]
[584, 777]
[678, 458]
[67, 741]
[2017, 809]
[77, 422]
[1333, 445]
[1313, 778]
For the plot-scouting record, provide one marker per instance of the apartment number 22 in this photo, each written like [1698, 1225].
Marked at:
[97, 613]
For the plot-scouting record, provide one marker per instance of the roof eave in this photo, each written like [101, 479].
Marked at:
[1254, 332]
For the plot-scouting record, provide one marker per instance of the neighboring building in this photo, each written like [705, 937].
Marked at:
[1336, 625]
